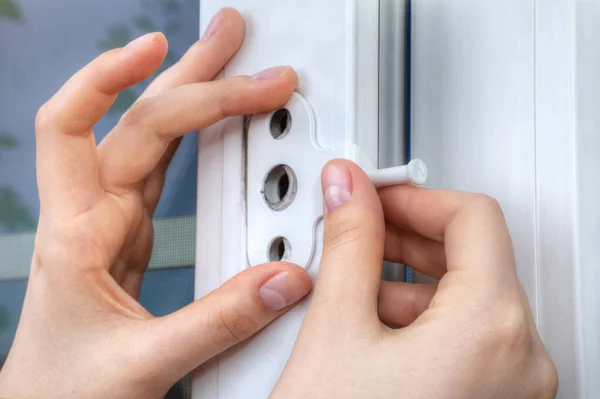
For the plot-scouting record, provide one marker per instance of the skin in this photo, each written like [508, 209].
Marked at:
[84, 334]
[471, 336]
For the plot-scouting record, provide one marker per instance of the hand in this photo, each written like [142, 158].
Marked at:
[82, 332]
[472, 336]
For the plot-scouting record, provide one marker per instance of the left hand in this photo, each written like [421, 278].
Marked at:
[83, 333]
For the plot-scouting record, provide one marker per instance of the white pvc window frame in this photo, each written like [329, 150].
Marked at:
[505, 101]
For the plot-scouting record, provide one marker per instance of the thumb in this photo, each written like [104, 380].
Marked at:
[230, 314]
[353, 242]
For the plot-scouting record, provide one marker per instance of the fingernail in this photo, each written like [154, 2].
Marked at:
[214, 26]
[281, 291]
[272, 73]
[337, 186]
[147, 38]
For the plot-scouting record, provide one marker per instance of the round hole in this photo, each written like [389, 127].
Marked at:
[280, 249]
[279, 188]
[283, 186]
[281, 122]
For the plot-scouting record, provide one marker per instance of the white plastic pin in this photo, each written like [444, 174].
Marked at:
[414, 173]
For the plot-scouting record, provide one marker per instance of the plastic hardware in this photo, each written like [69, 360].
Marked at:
[284, 198]
[414, 173]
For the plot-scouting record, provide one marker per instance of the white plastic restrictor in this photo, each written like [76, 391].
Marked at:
[414, 173]
[283, 182]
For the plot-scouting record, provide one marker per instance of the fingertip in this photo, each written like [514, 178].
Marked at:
[332, 166]
[86, 97]
[151, 49]
[230, 11]
[283, 290]
[277, 74]
[357, 174]
[273, 88]
[226, 26]
[157, 52]
[145, 60]
[290, 77]
[156, 39]
[288, 82]
[336, 181]
[298, 272]
[233, 20]
[118, 69]
[279, 285]
[256, 276]
[162, 41]
[343, 180]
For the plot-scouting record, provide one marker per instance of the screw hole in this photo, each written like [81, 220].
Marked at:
[283, 186]
[281, 122]
[279, 188]
[280, 249]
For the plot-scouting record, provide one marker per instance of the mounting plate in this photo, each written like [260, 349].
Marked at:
[284, 199]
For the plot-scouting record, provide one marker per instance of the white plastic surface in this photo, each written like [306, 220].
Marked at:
[298, 150]
[587, 255]
[505, 102]
[333, 47]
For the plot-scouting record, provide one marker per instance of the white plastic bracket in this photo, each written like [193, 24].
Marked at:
[284, 200]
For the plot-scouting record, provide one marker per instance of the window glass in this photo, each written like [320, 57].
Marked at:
[42, 44]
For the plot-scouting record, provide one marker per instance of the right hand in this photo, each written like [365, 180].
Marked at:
[473, 336]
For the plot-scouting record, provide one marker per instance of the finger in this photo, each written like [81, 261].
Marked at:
[471, 226]
[201, 63]
[133, 149]
[436, 209]
[66, 150]
[153, 186]
[421, 254]
[353, 241]
[240, 308]
[207, 57]
[400, 304]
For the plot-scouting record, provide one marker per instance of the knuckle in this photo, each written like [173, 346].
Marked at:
[229, 325]
[198, 49]
[509, 330]
[43, 118]
[232, 97]
[341, 232]
[486, 203]
[144, 368]
[548, 377]
[137, 114]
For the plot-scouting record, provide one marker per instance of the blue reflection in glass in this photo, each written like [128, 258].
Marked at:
[43, 43]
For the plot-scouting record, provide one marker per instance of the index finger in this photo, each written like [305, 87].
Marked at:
[137, 144]
[471, 226]
[66, 148]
